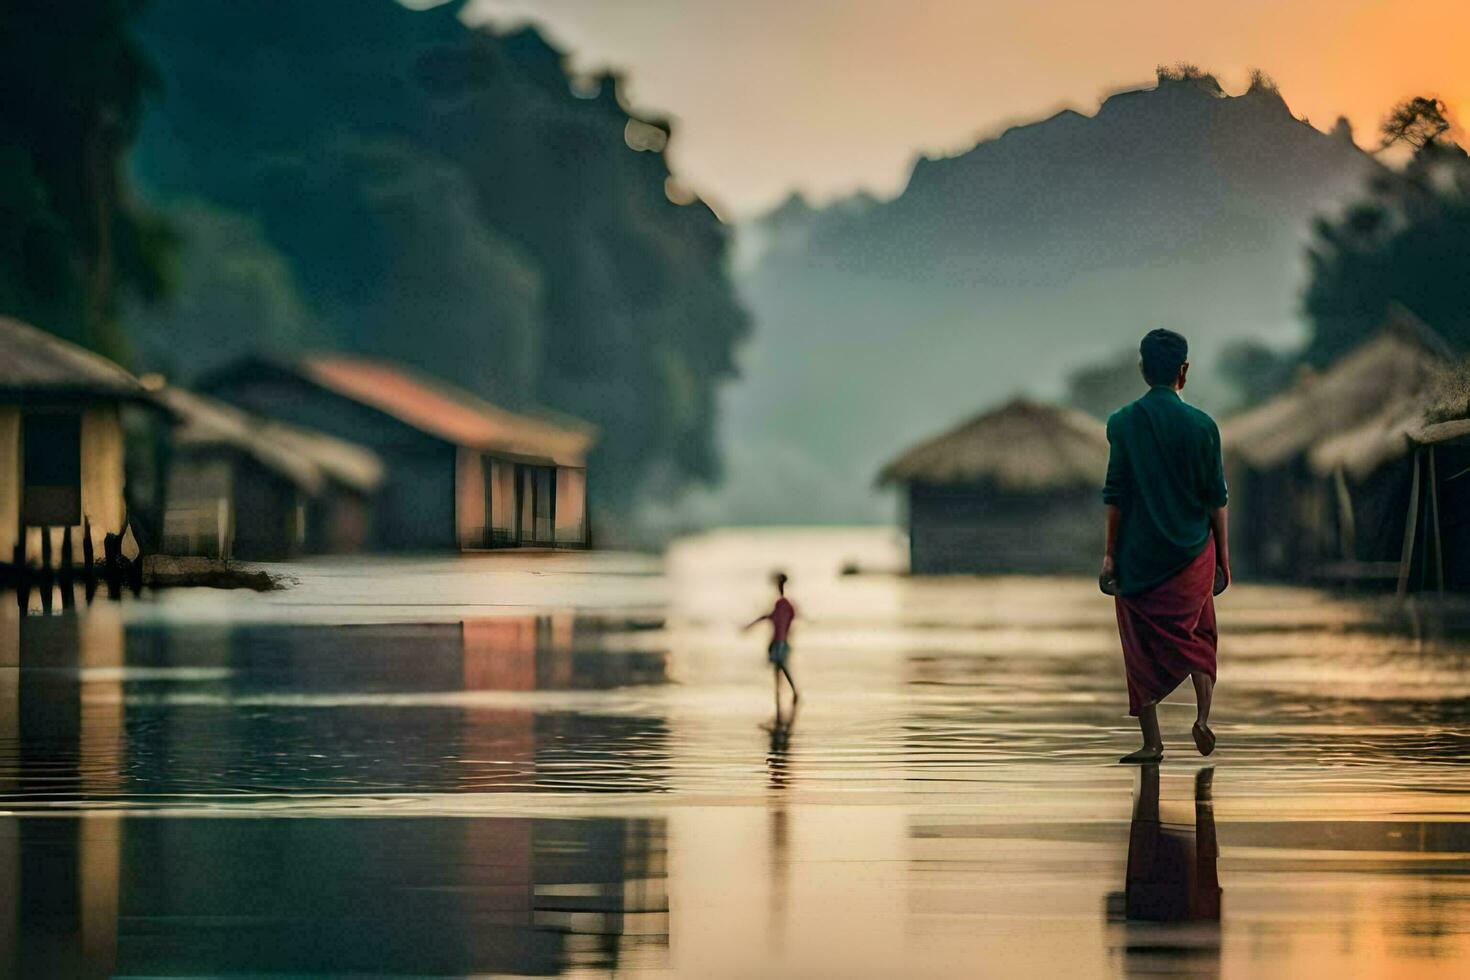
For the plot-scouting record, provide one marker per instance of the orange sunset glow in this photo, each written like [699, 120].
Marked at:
[833, 96]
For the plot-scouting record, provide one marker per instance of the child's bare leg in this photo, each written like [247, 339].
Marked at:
[794, 696]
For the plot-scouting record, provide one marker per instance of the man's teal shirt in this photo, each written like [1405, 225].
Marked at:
[1166, 475]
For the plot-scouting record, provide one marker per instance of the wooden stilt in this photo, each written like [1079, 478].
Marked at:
[1410, 523]
[1347, 524]
[1434, 525]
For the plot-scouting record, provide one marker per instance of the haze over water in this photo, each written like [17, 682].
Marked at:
[558, 765]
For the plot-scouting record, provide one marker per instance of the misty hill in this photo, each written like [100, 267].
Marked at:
[999, 270]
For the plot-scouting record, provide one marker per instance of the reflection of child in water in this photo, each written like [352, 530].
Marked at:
[779, 651]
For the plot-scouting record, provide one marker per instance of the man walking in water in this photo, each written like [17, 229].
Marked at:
[779, 651]
[1167, 552]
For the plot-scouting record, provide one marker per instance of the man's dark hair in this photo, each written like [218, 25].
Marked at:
[1161, 353]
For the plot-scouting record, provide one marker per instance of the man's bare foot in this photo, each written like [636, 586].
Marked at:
[1143, 756]
[1204, 739]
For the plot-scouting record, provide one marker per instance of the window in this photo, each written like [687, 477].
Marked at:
[537, 486]
[53, 470]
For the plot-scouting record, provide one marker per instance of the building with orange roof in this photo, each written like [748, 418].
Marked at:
[458, 472]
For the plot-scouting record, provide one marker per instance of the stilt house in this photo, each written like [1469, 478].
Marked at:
[61, 447]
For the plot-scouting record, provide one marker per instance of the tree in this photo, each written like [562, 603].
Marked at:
[1418, 122]
[72, 91]
[1255, 371]
[447, 197]
[1405, 242]
[235, 294]
[1098, 389]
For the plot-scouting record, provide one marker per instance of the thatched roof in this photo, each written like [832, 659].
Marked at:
[34, 363]
[1367, 388]
[1438, 413]
[1437, 433]
[1361, 450]
[1022, 445]
[309, 459]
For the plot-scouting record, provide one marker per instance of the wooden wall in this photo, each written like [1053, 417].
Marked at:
[10, 486]
[977, 530]
[102, 479]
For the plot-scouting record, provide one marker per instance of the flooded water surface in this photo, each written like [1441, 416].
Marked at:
[572, 765]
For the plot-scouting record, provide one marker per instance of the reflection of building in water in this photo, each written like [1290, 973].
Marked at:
[434, 896]
[1171, 880]
[94, 895]
[526, 749]
[273, 709]
[60, 694]
[552, 653]
[61, 738]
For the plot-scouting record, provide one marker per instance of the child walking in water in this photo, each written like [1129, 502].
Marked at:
[779, 651]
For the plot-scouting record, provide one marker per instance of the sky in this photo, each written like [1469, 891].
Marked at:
[828, 97]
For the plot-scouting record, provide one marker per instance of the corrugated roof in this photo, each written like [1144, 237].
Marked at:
[34, 362]
[446, 412]
[307, 458]
[1385, 371]
[1022, 445]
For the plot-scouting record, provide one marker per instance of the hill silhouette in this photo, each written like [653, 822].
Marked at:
[1001, 269]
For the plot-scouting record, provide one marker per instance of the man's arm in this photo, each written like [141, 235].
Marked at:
[1219, 495]
[1107, 579]
[1115, 487]
[753, 622]
[1219, 527]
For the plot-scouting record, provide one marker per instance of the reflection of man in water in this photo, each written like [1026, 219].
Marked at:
[1172, 873]
[1167, 552]
[1171, 903]
[779, 651]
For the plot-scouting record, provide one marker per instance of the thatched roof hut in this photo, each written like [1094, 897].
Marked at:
[1013, 490]
[1320, 475]
[1363, 449]
[1020, 446]
[1372, 383]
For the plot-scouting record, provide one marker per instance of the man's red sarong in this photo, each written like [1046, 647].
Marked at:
[1168, 631]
